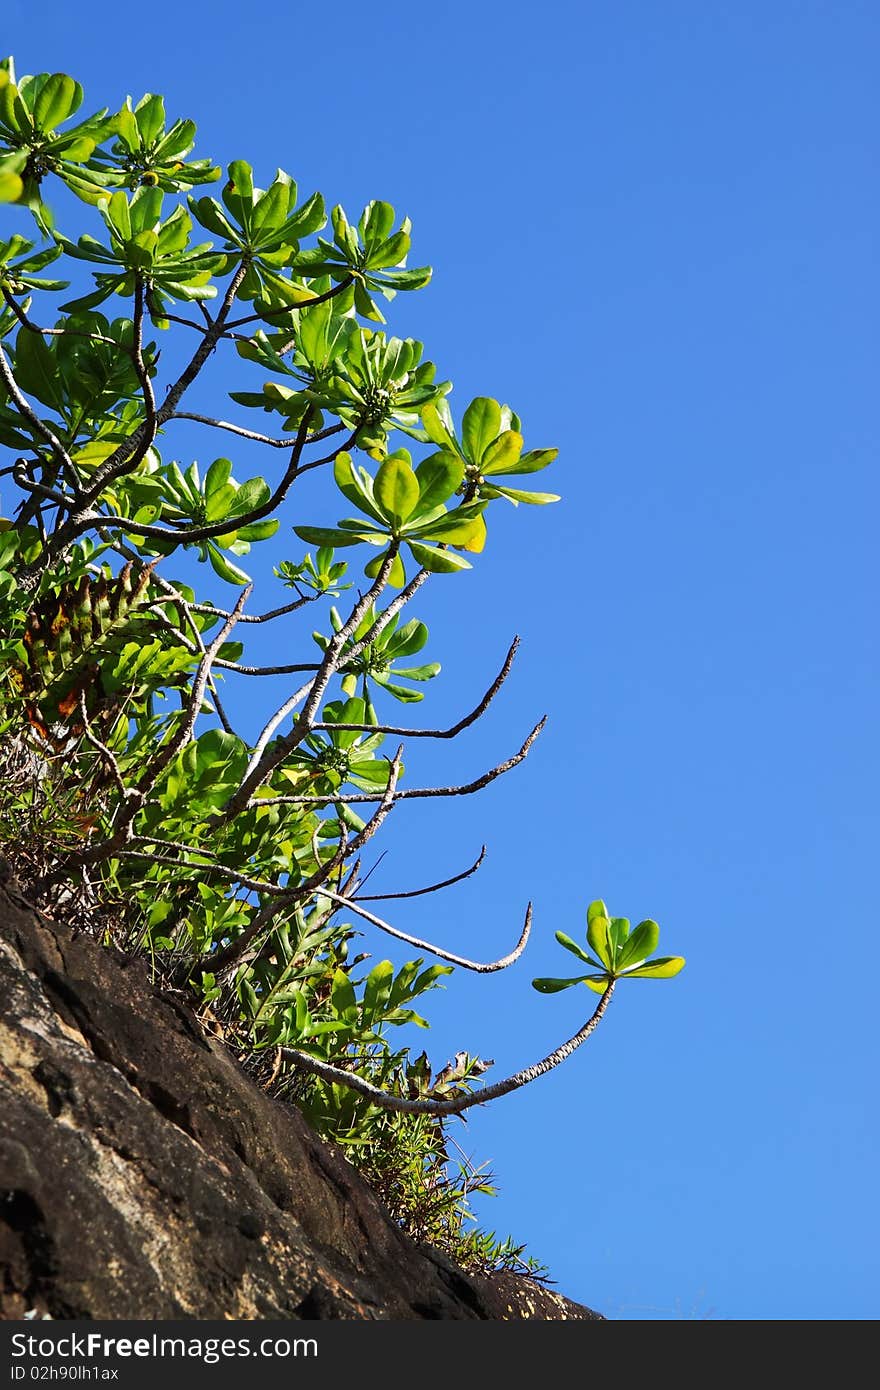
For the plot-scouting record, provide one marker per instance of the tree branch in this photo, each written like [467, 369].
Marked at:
[263, 760]
[437, 733]
[403, 1105]
[464, 789]
[306, 304]
[227, 956]
[432, 888]
[480, 968]
[258, 618]
[252, 434]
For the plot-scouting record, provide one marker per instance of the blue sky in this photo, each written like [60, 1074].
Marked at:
[654, 233]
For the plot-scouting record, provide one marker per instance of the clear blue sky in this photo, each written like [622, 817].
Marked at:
[654, 233]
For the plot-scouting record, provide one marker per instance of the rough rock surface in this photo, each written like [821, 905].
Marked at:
[143, 1175]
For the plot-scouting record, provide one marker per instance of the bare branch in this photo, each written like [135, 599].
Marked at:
[432, 888]
[240, 670]
[39, 489]
[252, 434]
[65, 332]
[481, 968]
[465, 789]
[185, 323]
[402, 1104]
[305, 304]
[438, 733]
[140, 365]
[258, 617]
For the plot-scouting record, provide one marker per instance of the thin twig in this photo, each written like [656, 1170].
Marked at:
[432, 888]
[305, 304]
[258, 438]
[65, 332]
[464, 789]
[481, 968]
[240, 670]
[40, 489]
[140, 366]
[106, 754]
[256, 617]
[437, 733]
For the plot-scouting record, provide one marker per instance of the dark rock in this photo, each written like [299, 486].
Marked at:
[144, 1175]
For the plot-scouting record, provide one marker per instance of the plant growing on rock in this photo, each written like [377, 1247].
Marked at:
[130, 802]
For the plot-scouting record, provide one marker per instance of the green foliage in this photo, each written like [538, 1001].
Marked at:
[375, 661]
[618, 953]
[127, 798]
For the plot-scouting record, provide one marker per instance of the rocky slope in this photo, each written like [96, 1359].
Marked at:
[143, 1175]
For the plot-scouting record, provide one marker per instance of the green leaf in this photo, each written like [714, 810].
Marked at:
[58, 99]
[224, 568]
[37, 370]
[480, 425]
[342, 996]
[396, 490]
[11, 186]
[502, 453]
[437, 421]
[417, 673]
[218, 504]
[551, 986]
[576, 950]
[251, 495]
[618, 932]
[535, 499]
[396, 575]
[641, 944]
[118, 214]
[258, 530]
[439, 476]
[599, 938]
[377, 988]
[354, 484]
[326, 535]
[663, 968]
[150, 116]
[453, 528]
[597, 909]
[437, 561]
[533, 461]
[217, 476]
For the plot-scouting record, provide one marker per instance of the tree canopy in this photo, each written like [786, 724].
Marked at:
[132, 805]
